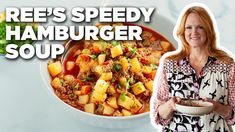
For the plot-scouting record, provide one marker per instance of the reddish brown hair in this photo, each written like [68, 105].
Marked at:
[210, 43]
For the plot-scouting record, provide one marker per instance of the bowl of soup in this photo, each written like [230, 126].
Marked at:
[194, 107]
[109, 83]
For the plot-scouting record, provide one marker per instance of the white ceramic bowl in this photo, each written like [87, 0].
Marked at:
[160, 24]
[200, 108]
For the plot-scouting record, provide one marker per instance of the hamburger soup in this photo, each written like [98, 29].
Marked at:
[110, 78]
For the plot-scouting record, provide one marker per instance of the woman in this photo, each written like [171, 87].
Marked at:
[198, 71]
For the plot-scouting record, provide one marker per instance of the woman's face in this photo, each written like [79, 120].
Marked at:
[195, 33]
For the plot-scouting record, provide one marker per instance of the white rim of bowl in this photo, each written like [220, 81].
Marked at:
[209, 104]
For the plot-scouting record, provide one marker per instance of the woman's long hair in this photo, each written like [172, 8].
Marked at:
[210, 43]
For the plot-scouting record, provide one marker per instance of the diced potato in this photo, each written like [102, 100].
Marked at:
[154, 57]
[124, 63]
[97, 48]
[111, 90]
[130, 95]
[142, 49]
[116, 51]
[108, 110]
[70, 65]
[99, 109]
[122, 81]
[99, 92]
[55, 68]
[86, 51]
[101, 58]
[98, 70]
[137, 105]
[69, 78]
[60, 76]
[106, 76]
[112, 101]
[149, 85]
[152, 74]
[129, 44]
[90, 108]
[135, 65]
[83, 63]
[126, 112]
[101, 86]
[85, 89]
[126, 103]
[138, 88]
[97, 97]
[146, 69]
[92, 64]
[56, 83]
[117, 113]
[166, 46]
[77, 92]
[83, 99]
[84, 67]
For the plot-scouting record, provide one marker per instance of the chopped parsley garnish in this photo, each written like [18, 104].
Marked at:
[129, 60]
[72, 95]
[119, 85]
[127, 84]
[117, 67]
[104, 45]
[123, 96]
[113, 80]
[62, 82]
[88, 79]
[115, 43]
[76, 86]
[153, 66]
[133, 51]
[93, 56]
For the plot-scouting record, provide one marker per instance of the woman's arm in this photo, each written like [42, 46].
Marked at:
[161, 106]
[220, 109]
[227, 111]
[223, 110]
[231, 96]
[167, 109]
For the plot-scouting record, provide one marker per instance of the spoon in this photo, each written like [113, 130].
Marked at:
[69, 48]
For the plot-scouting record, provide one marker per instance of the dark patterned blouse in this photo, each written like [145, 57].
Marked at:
[216, 81]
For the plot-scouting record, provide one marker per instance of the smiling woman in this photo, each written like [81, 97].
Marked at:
[195, 34]
[200, 70]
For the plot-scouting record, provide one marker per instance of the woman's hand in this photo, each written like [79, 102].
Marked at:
[218, 108]
[167, 109]
[171, 102]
